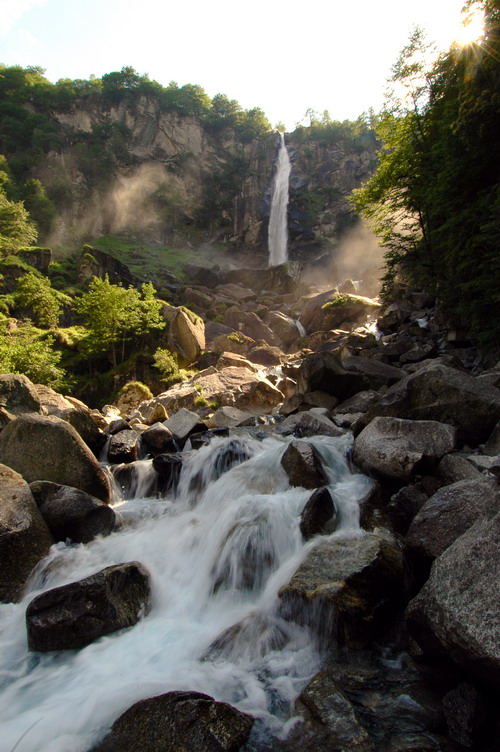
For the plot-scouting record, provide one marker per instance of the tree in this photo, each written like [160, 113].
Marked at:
[16, 228]
[35, 293]
[114, 314]
[25, 350]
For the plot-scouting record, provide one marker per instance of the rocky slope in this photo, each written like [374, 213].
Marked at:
[406, 614]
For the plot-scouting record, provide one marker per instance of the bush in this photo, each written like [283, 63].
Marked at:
[166, 363]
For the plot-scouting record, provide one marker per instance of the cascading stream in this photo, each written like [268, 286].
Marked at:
[278, 220]
[218, 553]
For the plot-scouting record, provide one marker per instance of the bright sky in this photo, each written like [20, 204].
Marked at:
[285, 58]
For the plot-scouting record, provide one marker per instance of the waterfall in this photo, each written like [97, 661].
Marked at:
[218, 551]
[278, 225]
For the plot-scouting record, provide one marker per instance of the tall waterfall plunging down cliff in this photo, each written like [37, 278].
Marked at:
[218, 548]
[278, 225]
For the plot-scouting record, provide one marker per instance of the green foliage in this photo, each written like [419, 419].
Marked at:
[434, 198]
[35, 293]
[24, 349]
[16, 229]
[114, 315]
[166, 363]
[339, 300]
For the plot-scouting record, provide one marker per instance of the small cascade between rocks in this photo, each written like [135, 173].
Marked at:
[278, 224]
[218, 546]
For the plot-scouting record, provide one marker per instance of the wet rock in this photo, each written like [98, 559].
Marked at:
[264, 632]
[438, 392]
[285, 329]
[344, 377]
[157, 439]
[72, 616]
[457, 612]
[303, 465]
[403, 506]
[398, 448]
[205, 437]
[446, 515]
[70, 513]
[175, 721]
[24, 536]
[308, 423]
[168, 467]
[123, 446]
[455, 467]
[18, 395]
[346, 588]
[118, 425]
[319, 515]
[47, 448]
[465, 712]
[138, 480]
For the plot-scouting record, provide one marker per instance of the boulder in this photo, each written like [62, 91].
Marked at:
[233, 387]
[284, 328]
[157, 438]
[73, 411]
[70, 513]
[403, 506]
[398, 448]
[309, 423]
[123, 446]
[131, 395]
[183, 423]
[344, 377]
[168, 467]
[24, 536]
[265, 355]
[237, 292]
[228, 359]
[438, 392]
[250, 325]
[346, 587]
[47, 448]
[455, 467]
[231, 417]
[457, 612]
[18, 395]
[178, 722]
[446, 515]
[319, 515]
[303, 465]
[465, 712]
[185, 334]
[330, 310]
[152, 412]
[492, 446]
[72, 616]
[232, 341]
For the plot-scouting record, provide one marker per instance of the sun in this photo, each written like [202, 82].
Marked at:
[470, 30]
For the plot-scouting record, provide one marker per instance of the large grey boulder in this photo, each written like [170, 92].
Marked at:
[346, 587]
[447, 514]
[309, 423]
[250, 325]
[72, 514]
[303, 465]
[438, 392]
[178, 722]
[457, 612]
[183, 423]
[185, 333]
[18, 395]
[24, 536]
[72, 616]
[124, 446]
[331, 310]
[285, 329]
[398, 448]
[74, 412]
[344, 377]
[47, 448]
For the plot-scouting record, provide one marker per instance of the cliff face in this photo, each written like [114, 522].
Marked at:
[167, 178]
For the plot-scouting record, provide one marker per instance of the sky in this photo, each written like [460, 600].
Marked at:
[330, 55]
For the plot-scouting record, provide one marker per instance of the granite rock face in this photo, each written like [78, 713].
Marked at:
[175, 721]
[457, 612]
